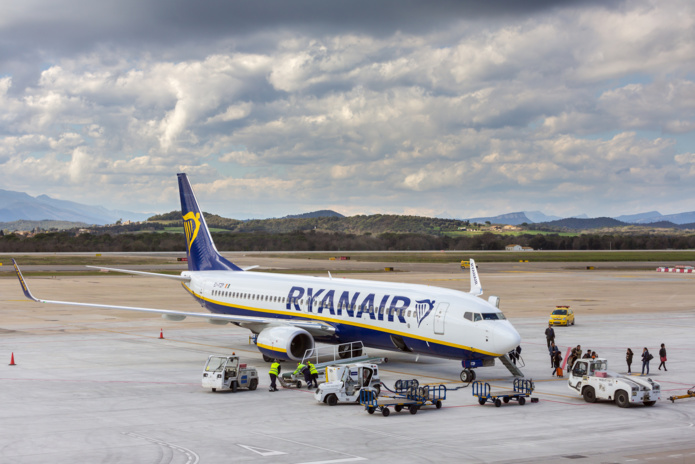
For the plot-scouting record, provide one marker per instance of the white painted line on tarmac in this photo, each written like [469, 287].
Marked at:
[350, 457]
[262, 451]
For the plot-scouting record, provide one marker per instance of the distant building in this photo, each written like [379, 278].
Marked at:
[512, 247]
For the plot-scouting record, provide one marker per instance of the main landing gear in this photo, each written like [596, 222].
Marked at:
[467, 375]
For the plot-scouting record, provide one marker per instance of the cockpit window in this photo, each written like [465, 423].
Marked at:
[483, 316]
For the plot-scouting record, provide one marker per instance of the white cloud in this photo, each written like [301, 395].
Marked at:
[571, 103]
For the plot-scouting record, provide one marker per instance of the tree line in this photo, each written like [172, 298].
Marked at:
[312, 240]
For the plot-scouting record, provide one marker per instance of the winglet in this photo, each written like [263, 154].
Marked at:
[25, 289]
[476, 287]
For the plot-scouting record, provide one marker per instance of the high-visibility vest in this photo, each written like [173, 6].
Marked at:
[312, 369]
[300, 366]
[274, 368]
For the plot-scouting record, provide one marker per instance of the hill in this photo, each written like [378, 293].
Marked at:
[315, 214]
[581, 224]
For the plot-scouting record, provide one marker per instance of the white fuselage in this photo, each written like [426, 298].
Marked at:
[414, 318]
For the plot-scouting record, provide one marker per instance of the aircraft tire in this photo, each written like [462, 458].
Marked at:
[267, 359]
[467, 375]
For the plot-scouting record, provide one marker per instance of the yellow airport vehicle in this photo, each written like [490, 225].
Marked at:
[562, 315]
[690, 394]
[465, 264]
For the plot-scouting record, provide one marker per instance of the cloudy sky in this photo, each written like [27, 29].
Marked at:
[456, 107]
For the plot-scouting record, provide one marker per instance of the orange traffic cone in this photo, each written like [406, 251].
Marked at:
[161, 334]
[12, 360]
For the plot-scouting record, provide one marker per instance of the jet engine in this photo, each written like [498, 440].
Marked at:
[284, 342]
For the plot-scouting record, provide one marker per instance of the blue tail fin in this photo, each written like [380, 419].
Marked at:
[202, 254]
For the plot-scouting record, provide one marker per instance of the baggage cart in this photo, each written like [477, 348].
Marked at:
[522, 390]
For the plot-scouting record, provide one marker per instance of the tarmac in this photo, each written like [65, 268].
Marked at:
[95, 385]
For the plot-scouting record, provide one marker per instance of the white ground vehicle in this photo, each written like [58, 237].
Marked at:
[225, 373]
[591, 378]
[344, 382]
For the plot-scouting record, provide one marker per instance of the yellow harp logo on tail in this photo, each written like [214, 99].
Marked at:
[191, 225]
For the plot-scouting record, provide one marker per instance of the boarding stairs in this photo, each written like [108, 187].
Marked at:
[513, 368]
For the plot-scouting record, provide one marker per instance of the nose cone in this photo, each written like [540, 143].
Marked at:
[506, 338]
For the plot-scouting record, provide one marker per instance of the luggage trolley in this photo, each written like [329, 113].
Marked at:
[522, 390]
[407, 394]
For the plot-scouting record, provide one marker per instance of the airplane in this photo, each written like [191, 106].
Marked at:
[288, 314]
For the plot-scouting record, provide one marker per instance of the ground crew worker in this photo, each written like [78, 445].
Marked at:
[314, 374]
[299, 368]
[304, 370]
[274, 372]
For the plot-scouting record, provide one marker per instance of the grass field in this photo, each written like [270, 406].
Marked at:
[501, 256]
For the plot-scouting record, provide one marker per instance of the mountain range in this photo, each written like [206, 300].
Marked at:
[16, 206]
[532, 217]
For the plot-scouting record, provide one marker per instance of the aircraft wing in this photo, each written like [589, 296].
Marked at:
[254, 323]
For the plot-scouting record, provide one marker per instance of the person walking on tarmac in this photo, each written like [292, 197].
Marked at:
[662, 357]
[646, 357]
[628, 359]
[274, 372]
[314, 374]
[549, 335]
[552, 349]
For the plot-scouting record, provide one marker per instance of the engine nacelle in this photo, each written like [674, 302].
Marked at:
[284, 342]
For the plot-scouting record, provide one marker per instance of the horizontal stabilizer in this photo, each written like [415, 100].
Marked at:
[151, 274]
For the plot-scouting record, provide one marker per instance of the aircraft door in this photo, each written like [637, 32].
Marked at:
[439, 315]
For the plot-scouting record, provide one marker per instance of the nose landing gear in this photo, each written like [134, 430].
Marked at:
[467, 375]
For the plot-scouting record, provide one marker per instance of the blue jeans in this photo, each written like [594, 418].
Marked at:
[645, 363]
